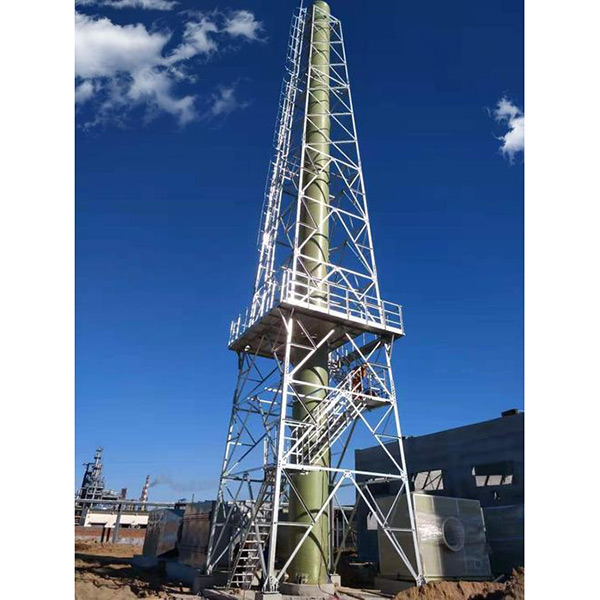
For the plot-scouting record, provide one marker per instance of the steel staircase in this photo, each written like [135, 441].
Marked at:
[331, 418]
[250, 555]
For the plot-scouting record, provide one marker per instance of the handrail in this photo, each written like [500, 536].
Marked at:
[333, 297]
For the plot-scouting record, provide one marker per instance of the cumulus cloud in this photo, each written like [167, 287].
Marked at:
[83, 92]
[103, 49]
[197, 39]
[156, 88]
[118, 4]
[511, 116]
[121, 67]
[225, 102]
[131, 58]
[241, 23]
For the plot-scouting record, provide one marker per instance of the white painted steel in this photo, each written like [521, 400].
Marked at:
[265, 445]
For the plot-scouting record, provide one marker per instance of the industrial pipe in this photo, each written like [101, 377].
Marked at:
[309, 566]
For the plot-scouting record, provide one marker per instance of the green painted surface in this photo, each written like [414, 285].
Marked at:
[310, 563]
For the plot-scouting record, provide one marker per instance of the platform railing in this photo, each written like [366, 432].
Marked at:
[339, 299]
[334, 298]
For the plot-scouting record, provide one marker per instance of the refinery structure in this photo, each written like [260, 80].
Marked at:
[315, 345]
[92, 491]
[98, 506]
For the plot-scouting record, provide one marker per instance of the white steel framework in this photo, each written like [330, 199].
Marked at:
[284, 328]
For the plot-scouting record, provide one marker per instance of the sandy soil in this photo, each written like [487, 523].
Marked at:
[512, 589]
[104, 572]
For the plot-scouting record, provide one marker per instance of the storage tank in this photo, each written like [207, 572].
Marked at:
[451, 538]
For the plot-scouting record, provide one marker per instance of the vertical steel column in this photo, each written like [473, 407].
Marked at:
[272, 583]
[213, 539]
[117, 524]
[409, 499]
[310, 563]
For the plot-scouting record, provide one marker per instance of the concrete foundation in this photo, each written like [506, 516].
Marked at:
[306, 590]
[392, 586]
[203, 582]
[144, 562]
[344, 593]
[216, 594]
[180, 573]
[268, 596]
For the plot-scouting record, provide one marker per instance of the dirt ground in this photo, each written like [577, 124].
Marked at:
[512, 589]
[104, 572]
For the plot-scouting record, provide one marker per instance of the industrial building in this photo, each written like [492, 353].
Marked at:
[483, 461]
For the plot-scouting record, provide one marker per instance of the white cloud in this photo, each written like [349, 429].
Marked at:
[120, 67]
[83, 92]
[241, 23]
[156, 88]
[225, 102]
[197, 39]
[131, 57]
[147, 4]
[103, 49]
[118, 4]
[513, 141]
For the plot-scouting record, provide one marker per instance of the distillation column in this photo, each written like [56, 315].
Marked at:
[310, 563]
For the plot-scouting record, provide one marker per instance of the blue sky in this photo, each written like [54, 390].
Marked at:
[174, 128]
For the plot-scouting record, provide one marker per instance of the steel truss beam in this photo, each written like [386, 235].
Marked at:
[265, 445]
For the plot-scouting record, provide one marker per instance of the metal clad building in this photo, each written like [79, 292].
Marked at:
[484, 462]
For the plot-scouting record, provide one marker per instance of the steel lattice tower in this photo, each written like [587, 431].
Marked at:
[314, 347]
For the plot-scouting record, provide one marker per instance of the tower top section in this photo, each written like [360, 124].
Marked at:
[315, 245]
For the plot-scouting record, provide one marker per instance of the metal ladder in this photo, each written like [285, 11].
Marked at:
[250, 555]
[280, 168]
